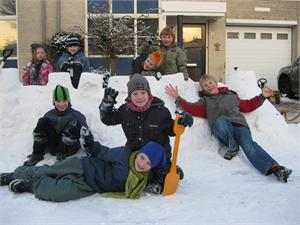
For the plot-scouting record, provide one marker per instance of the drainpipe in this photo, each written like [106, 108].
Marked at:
[58, 16]
[180, 30]
[43, 20]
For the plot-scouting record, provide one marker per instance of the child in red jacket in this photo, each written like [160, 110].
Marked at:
[37, 71]
[222, 108]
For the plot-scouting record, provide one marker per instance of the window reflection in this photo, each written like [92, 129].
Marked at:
[8, 35]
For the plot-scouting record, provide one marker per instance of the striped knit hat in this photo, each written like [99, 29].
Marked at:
[61, 93]
[72, 40]
[138, 82]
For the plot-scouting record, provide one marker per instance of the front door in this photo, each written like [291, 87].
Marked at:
[194, 45]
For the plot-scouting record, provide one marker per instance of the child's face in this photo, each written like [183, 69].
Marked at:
[40, 54]
[61, 105]
[73, 49]
[166, 40]
[142, 163]
[139, 98]
[210, 86]
[149, 65]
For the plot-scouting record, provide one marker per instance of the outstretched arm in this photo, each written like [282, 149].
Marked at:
[253, 103]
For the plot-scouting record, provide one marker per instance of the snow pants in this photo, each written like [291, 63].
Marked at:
[60, 182]
[233, 136]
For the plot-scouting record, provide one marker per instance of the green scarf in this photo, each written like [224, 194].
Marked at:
[135, 183]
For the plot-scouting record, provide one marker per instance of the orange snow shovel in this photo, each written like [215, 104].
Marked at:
[172, 177]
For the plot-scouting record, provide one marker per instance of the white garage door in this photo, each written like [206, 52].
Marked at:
[262, 49]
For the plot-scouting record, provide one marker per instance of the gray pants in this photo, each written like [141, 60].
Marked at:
[60, 182]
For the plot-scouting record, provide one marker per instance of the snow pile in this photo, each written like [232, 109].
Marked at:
[214, 190]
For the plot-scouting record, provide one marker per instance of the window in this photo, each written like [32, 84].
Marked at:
[282, 36]
[8, 31]
[141, 11]
[233, 35]
[266, 36]
[249, 35]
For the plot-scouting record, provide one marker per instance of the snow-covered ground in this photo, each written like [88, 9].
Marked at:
[214, 191]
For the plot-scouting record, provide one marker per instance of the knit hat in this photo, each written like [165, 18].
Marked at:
[156, 57]
[35, 46]
[155, 153]
[72, 39]
[138, 82]
[61, 93]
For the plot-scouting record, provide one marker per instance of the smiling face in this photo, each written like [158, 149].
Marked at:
[142, 163]
[149, 65]
[139, 98]
[73, 49]
[210, 86]
[167, 40]
[61, 105]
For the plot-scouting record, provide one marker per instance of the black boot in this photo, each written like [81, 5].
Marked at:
[6, 178]
[230, 154]
[282, 173]
[20, 186]
[180, 172]
[33, 159]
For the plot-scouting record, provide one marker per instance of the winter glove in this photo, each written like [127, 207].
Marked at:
[186, 119]
[71, 132]
[40, 131]
[86, 138]
[108, 100]
[186, 76]
[154, 188]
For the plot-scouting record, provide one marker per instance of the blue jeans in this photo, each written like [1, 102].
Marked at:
[233, 136]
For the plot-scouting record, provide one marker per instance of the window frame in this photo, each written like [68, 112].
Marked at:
[11, 17]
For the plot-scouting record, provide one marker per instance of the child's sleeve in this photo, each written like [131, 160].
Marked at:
[195, 109]
[26, 75]
[182, 62]
[86, 65]
[250, 105]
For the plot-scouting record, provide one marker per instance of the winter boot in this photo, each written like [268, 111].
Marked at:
[20, 186]
[6, 178]
[180, 172]
[230, 154]
[33, 159]
[282, 173]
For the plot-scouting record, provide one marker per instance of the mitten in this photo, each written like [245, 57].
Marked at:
[108, 100]
[71, 132]
[186, 76]
[154, 188]
[39, 133]
[86, 138]
[186, 119]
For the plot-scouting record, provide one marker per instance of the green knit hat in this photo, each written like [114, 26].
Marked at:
[61, 93]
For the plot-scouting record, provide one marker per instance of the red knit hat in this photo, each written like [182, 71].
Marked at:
[156, 57]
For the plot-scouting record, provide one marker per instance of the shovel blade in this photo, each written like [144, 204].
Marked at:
[171, 181]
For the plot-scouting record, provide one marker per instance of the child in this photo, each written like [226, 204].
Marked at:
[175, 60]
[73, 60]
[143, 118]
[223, 108]
[57, 132]
[37, 71]
[105, 170]
[147, 64]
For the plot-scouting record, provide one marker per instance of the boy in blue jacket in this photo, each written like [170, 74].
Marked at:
[73, 60]
[57, 132]
[117, 172]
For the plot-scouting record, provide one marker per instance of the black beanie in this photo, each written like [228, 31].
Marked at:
[138, 82]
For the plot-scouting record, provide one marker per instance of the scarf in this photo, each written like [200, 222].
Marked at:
[134, 108]
[135, 183]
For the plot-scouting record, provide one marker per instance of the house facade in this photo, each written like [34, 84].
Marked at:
[218, 36]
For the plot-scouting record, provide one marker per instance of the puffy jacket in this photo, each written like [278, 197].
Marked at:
[107, 169]
[226, 103]
[155, 124]
[37, 74]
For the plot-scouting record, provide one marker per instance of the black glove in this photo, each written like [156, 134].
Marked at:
[186, 119]
[108, 100]
[154, 188]
[71, 132]
[86, 138]
[40, 133]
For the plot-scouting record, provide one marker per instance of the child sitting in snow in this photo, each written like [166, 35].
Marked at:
[57, 132]
[118, 171]
[73, 60]
[37, 71]
[143, 118]
[222, 107]
[148, 64]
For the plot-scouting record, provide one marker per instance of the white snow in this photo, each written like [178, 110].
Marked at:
[214, 191]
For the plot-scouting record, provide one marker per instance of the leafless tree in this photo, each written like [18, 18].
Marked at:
[7, 7]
